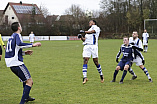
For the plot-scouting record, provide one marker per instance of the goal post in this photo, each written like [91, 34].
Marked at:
[151, 25]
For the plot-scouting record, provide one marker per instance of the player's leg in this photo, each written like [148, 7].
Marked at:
[126, 67]
[27, 84]
[23, 73]
[86, 55]
[95, 60]
[132, 73]
[146, 72]
[120, 65]
[0, 53]
[94, 53]
[115, 73]
[84, 69]
[146, 48]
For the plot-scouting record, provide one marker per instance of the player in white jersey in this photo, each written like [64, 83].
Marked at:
[90, 42]
[14, 59]
[31, 37]
[134, 40]
[145, 37]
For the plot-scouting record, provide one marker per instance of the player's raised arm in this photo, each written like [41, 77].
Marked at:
[37, 44]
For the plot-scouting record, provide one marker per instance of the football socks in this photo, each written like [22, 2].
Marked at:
[25, 95]
[146, 72]
[99, 69]
[84, 70]
[123, 76]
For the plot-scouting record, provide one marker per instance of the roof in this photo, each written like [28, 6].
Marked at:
[25, 12]
[23, 8]
[51, 18]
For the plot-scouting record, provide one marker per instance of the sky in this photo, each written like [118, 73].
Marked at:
[58, 7]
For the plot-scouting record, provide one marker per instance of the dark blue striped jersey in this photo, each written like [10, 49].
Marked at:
[128, 53]
[13, 52]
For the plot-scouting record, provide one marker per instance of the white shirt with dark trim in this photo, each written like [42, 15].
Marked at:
[138, 43]
[92, 39]
[13, 52]
[145, 36]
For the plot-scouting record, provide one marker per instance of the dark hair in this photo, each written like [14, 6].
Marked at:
[14, 26]
[94, 21]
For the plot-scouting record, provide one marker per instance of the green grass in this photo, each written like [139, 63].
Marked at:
[56, 69]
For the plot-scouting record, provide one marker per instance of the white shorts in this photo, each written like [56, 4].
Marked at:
[145, 42]
[31, 40]
[138, 61]
[89, 50]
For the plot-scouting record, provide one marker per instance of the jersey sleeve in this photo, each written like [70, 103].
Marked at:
[147, 35]
[21, 44]
[140, 45]
[1, 41]
[142, 35]
[96, 29]
[139, 54]
[119, 53]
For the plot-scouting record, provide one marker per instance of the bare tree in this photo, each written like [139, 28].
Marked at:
[44, 10]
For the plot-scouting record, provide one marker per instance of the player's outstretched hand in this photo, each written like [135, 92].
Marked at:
[79, 35]
[143, 62]
[37, 44]
[117, 60]
[82, 31]
[29, 52]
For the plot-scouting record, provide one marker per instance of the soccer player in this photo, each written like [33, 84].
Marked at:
[90, 42]
[31, 37]
[139, 62]
[1, 43]
[14, 59]
[126, 61]
[145, 37]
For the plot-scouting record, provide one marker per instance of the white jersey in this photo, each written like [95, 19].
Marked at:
[92, 39]
[31, 36]
[137, 42]
[145, 36]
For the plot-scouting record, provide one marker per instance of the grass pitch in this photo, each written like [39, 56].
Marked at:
[56, 69]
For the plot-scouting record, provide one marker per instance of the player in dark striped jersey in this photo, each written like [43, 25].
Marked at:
[14, 59]
[126, 61]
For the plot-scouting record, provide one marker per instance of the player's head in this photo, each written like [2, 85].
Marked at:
[145, 30]
[125, 40]
[31, 32]
[134, 34]
[92, 22]
[16, 26]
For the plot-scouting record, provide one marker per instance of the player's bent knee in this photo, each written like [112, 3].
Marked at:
[141, 66]
[126, 67]
[118, 68]
[29, 82]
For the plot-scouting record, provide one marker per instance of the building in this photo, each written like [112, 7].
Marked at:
[21, 12]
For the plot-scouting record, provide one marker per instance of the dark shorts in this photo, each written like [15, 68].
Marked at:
[21, 71]
[123, 63]
[0, 50]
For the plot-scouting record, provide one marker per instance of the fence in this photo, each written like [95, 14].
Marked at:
[41, 38]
